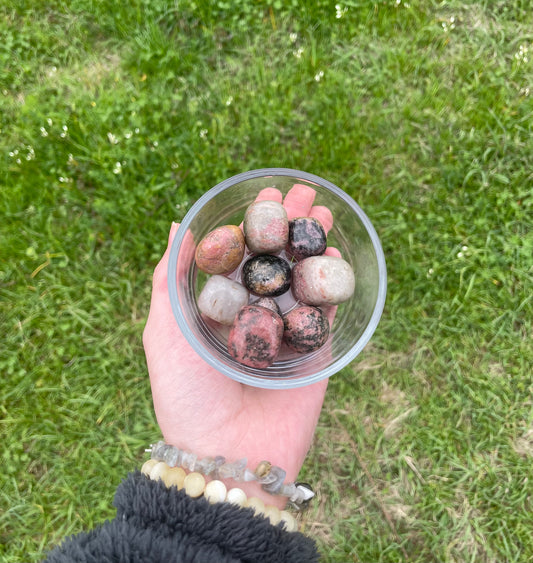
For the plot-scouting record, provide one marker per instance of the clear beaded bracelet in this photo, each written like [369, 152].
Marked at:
[269, 476]
[195, 486]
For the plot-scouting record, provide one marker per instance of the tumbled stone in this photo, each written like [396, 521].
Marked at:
[221, 299]
[307, 237]
[323, 280]
[266, 275]
[306, 329]
[255, 337]
[269, 303]
[221, 250]
[266, 227]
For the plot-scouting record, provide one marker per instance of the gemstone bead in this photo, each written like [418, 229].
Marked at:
[194, 484]
[266, 275]
[306, 329]
[274, 486]
[158, 450]
[255, 337]
[215, 491]
[288, 521]
[157, 471]
[266, 227]
[221, 299]
[233, 470]
[174, 476]
[188, 460]
[323, 280]
[221, 250]
[273, 513]
[172, 456]
[307, 237]
[148, 466]
[236, 496]
[256, 504]
[206, 465]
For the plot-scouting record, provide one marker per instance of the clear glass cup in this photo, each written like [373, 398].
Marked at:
[352, 234]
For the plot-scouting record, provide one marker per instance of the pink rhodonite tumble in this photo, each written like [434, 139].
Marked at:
[266, 227]
[323, 280]
[255, 337]
[306, 329]
[221, 250]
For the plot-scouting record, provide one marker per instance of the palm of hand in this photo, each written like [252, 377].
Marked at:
[200, 410]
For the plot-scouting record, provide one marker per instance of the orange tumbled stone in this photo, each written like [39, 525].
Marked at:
[221, 250]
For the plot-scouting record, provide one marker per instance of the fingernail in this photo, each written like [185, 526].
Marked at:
[173, 229]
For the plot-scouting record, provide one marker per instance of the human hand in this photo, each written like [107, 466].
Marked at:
[202, 411]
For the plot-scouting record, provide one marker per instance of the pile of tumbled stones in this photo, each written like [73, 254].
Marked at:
[316, 280]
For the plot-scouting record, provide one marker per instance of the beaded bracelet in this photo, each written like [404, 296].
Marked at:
[269, 476]
[195, 486]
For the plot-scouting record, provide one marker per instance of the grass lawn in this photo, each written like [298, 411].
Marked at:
[116, 117]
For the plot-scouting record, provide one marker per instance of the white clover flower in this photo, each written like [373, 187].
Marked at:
[112, 138]
[340, 11]
[448, 25]
[521, 55]
[319, 75]
[44, 132]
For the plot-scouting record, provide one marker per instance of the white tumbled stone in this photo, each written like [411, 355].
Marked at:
[323, 280]
[222, 298]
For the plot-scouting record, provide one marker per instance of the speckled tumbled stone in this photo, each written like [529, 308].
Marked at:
[266, 275]
[221, 299]
[255, 337]
[322, 280]
[306, 329]
[307, 237]
[266, 227]
[221, 250]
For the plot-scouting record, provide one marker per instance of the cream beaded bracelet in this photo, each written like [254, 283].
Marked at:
[269, 476]
[195, 486]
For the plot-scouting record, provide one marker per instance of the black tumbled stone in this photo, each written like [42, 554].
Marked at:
[307, 237]
[266, 275]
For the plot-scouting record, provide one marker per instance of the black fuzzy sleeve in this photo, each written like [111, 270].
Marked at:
[157, 524]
